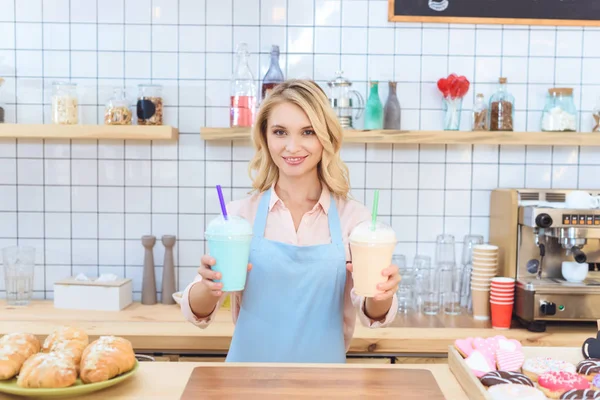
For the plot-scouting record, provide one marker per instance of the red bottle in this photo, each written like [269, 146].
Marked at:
[242, 107]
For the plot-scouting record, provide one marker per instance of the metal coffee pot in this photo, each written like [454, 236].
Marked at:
[341, 100]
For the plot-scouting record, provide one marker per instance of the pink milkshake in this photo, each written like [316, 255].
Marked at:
[372, 251]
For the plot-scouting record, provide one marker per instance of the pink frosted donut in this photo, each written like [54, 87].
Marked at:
[555, 383]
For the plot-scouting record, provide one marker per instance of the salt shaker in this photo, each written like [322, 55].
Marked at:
[168, 279]
[149, 280]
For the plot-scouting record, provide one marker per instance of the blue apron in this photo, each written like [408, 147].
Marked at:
[293, 304]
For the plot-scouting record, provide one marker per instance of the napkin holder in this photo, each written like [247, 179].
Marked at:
[77, 294]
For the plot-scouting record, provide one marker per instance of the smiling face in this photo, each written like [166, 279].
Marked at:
[293, 143]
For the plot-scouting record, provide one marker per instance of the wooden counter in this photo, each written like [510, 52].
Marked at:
[162, 328]
[166, 381]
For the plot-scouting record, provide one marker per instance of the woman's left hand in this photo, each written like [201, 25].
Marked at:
[390, 286]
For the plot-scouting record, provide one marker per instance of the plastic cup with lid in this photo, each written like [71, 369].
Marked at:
[229, 241]
[372, 247]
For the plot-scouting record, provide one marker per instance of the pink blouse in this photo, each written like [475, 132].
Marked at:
[313, 230]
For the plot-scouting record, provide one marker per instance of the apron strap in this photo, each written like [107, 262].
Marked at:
[260, 220]
[335, 227]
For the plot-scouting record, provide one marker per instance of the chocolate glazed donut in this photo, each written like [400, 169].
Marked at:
[587, 367]
[581, 394]
[500, 377]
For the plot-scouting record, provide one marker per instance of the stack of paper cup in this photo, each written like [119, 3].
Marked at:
[502, 299]
[485, 265]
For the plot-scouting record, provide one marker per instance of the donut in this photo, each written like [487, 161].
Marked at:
[589, 368]
[505, 377]
[555, 383]
[509, 391]
[534, 367]
[582, 394]
[596, 382]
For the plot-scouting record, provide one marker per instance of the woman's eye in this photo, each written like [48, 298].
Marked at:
[309, 132]
[279, 132]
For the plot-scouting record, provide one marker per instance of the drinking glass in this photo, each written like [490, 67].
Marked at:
[450, 287]
[420, 263]
[444, 249]
[469, 242]
[429, 291]
[404, 293]
[19, 262]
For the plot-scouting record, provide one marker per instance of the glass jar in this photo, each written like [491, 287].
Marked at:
[242, 91]
[560, 114]
[117, 111]
[479, 121]
[149, 107]
[596, 116]
[65, 104]
[501, 111]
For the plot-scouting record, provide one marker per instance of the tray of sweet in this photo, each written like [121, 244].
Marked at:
[498, 368]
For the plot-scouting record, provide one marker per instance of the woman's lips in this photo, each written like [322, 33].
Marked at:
[294, 160]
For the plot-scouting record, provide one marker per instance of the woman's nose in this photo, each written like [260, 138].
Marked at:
[292, 144]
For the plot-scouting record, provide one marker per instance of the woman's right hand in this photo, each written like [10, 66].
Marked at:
[209, 276]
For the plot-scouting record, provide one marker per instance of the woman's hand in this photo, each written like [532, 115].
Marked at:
[390, 286]
[209, 276]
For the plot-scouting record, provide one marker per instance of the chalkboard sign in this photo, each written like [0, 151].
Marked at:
[515, 12]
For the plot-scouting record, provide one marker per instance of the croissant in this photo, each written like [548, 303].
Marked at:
[67, 340]
[15, 348]
[47, 370]
[106, 358]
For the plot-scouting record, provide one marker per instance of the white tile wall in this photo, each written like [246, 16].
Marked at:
[85, 204]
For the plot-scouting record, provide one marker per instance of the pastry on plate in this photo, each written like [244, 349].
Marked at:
[106, 358]
[68, 340]
[15, 348]
[47, 370]
[504, 377]
[508, 391]
[555, 383]
[534, 367]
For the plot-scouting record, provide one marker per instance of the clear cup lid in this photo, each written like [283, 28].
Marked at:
[232, 226]
[364, 232]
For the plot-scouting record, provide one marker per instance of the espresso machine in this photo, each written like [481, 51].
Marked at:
[535, 234]
[341, 100]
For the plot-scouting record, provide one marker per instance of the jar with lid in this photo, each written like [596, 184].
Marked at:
[596, 116]
[479, 122]
[560, 113]
[501, 111]
[65, 103]
[342, 98]
[117, 111]
[149, 107]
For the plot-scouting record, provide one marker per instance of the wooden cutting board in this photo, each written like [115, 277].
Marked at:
[307, 382]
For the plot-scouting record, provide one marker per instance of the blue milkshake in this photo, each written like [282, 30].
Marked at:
[229, 244]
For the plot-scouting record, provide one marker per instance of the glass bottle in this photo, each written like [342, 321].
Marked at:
[479, 122]
[2, 106]
[117, 111]
[391, 111]
[149, 107]
[596, 116]
[560, 113]
[374, 108]
[274, 74]
[242, 109]
[65, 104]
[501, 111]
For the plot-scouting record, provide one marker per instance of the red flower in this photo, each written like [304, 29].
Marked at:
[453, 86]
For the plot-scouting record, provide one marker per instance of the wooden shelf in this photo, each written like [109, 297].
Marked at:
[52, 131]
[435, 137]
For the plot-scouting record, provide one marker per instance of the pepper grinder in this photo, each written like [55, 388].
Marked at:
[149, 279]
[168, 278]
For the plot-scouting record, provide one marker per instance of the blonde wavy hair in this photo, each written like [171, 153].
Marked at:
[309, 96]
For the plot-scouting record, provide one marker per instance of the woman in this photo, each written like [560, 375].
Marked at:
[298, 304]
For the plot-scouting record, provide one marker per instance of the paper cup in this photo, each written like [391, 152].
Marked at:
[485, 247]
[485, 264]
[481, 304]
[485, 257]
[484, 273]
[501, 315]
[495, 297]
[502, 292]
[504, 280]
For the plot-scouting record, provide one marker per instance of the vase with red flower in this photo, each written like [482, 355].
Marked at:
[453, 89]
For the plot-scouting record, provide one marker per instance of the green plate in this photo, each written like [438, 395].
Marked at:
[79, 388]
